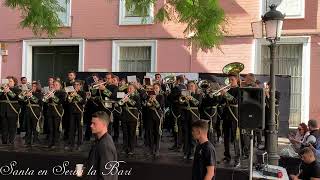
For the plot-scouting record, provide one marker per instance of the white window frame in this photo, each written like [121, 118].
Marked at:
[306, 59]
[68, 11]
[301, 16]
[123, 20]
[26, 70]
[133, 43]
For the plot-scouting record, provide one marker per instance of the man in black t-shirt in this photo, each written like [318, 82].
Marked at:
[310, 169]
[204, 157]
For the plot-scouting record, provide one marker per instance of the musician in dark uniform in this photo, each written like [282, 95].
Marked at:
[45, 107]
[33, 100]
[153, 124]
[176, 109]
[107, 93]
[268, 110]
[55, 99]
[66, 116]
[9, 110]
[77, 100]
[158, 79]
[130, 118]
[92, 105]
[230, 124]
[209, 107]
[116, 113]
[143, 110]
[190, 114]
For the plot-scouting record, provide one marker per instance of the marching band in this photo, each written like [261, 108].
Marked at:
[138, 109]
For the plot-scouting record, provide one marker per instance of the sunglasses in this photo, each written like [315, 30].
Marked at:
[299, 129]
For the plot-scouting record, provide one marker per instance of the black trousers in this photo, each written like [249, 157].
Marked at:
[188, 141]
[178, 136]
[66, 121]
[153, 131]
[129, 125]
[75, 126]
[31, 125]
[9, 127]
[229, 131]
[54, 133]
[116, 126]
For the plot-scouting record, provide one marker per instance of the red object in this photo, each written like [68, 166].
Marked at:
[280, 175]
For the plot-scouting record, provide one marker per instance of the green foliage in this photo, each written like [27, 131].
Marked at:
[204, 18]
[39, 15]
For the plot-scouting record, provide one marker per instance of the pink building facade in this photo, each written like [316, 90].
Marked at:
[111, 38]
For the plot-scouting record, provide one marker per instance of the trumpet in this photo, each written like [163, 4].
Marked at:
[218, 92]
[23, 94]
[122, 101]
[96, 86]
[48, 95]
[183, 99]
[3, 86]
[152, 102]
[72, 95]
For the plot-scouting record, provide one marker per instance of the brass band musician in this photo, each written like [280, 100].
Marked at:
[55, 98]
[130, 118]
[33, 99]
[9, 110]
[76, 100]
[190, 113]
[153, 124]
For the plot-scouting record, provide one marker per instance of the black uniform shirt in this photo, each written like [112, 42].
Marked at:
[310, 171]
[103, 151]
[204, 156]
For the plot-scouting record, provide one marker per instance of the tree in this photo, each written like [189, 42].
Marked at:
[205, 19]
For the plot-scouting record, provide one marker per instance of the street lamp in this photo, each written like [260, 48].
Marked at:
[271, 24]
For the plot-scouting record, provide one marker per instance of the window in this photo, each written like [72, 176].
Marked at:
[130, 17]
[65, 16]
[292, 58]
[134, 56]
[293, 9]
[289, 62]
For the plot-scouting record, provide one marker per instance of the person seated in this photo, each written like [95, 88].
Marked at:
[310, 168]
[300, 136]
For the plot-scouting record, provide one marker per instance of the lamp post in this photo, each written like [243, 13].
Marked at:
[272, 24]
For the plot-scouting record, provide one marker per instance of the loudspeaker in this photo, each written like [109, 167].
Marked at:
[251, 108]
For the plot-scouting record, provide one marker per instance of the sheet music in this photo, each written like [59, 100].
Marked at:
[132, 79]
[4, 81]
[69, 89]
[121, 95]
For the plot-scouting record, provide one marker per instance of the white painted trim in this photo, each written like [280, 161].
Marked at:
[306, 59]
[133, 43]
[27, 45]
[123, 20]
[301, 16]
[68, 11]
